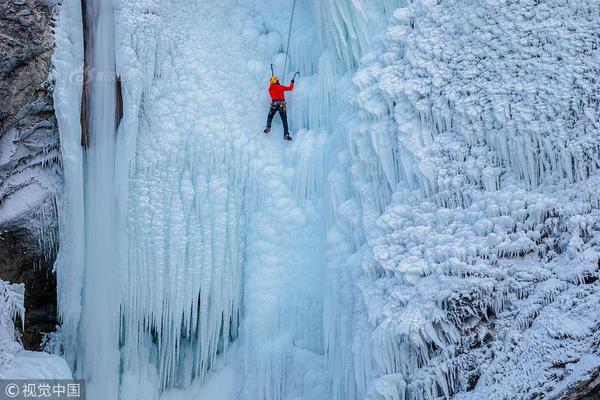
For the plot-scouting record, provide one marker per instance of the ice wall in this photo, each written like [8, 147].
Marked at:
[222, 241]
[103, 273]
[68, 63]
[434, 215]
[212, 230]
[225, 227]
[478, 139]
[357, 190]
[351, 195]
[89, 265]
[185, 218]
[454, 160]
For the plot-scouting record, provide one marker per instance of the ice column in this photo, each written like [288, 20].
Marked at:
[99, 325]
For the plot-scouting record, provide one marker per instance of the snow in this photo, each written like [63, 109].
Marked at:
[431, 227]
[35, 365]
[15, 362]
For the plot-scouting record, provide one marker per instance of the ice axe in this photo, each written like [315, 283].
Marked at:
[297, 73]
[272, 72]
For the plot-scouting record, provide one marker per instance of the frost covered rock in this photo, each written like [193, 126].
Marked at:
[30, 175]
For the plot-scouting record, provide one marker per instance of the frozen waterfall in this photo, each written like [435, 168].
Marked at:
[420, 218]
[101, 295]
[216, 234]
[91, 218]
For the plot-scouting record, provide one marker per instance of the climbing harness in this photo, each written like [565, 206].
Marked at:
[279, 104]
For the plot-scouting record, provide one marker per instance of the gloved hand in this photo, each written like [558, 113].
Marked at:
[292, 81]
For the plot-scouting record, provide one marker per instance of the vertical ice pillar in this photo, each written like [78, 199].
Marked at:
[67, 58]
[99, 326]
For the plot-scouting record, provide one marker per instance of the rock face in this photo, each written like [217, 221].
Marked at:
[30, 173]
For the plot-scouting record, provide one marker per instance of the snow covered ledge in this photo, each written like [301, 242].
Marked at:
[15, 362]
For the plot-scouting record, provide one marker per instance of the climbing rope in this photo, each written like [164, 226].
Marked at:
[288, 41]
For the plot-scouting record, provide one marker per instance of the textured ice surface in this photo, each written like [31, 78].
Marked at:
[431, 226]
[481, 269]
[68, 63]
[223, 243]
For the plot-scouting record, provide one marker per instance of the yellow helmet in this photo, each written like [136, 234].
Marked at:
[274, 80]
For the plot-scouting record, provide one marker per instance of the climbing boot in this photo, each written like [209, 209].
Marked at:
[287, 136]
[267, 130]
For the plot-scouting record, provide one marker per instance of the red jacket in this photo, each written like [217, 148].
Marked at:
[277, 91]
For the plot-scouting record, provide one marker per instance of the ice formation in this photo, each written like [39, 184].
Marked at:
[485, 260]
[15, 362]
[431, 226]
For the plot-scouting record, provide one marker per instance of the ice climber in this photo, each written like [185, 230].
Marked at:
[277, 92]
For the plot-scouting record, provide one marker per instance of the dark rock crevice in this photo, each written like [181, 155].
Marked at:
[30, 172]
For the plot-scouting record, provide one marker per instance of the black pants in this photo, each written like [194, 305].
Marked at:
[280, 106]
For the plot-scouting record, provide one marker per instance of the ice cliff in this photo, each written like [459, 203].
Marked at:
[430, 232]
[481, 278]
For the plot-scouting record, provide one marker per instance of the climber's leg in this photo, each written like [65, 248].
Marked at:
[283, 115]
[272, 112]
